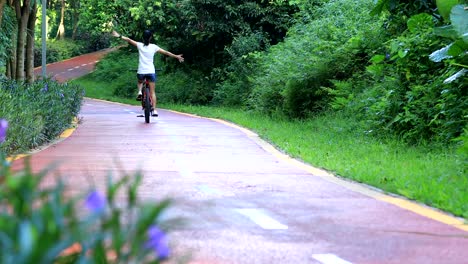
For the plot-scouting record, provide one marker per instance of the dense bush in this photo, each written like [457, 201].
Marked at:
[37, 112]
[407, 95]
[290, 77]
[57, 50]
[234, 85]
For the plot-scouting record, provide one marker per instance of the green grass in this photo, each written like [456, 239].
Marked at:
[102, 90]
[434, 174]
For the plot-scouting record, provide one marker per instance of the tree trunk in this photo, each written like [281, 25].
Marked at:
[2, 5]
[61, 28]
[30, 44]
[22, 16]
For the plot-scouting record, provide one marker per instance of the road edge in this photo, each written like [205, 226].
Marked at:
[367, 190]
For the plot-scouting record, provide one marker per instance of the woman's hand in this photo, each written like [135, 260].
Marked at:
[180, 58]
[115, 34]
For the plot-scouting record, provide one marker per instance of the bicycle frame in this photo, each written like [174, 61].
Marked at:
[147, 100]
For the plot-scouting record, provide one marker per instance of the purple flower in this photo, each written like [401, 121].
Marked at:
[387, 56]
[46, 88]
[95, 202]
[3, 129]
[61, 95]
[157, 241]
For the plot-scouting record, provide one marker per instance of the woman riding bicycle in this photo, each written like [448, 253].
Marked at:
[146, 69]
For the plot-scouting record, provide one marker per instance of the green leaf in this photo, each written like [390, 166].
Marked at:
[457, 48]
[444, 7]
[459, 18]
[446, 31]
[420, 22]
[377, 58]
[402, 53]
[441, 54]
[457, 75]
[26, 237]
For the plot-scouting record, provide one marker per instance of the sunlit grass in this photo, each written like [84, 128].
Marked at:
[102, 90]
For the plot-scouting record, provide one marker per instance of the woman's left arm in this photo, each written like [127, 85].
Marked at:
[167, 53]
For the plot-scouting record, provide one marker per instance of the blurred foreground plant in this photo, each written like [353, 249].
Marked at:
[44, 223]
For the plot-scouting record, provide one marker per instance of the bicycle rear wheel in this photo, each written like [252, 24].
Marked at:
[146, 97]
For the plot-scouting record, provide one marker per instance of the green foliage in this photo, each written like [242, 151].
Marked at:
[235, 86]
[408, 97]
[37, 112]
[330, 47]
[38, 224]
[6, 34]
[445, 6]
[401, 10]
[184, 88]
[456, 52]
[119, 68]
[57, 50]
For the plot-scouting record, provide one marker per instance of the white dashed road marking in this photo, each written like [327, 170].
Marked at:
[329, 259]
[209, 190]
[261, 219]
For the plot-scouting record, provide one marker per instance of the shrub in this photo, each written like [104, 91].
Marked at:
[183, 87]
[409, 97]
[57, 50]
[37, 112]
[235, 87]
[332, 46]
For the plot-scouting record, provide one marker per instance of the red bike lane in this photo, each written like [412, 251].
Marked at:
[72, 68]
[245, 201]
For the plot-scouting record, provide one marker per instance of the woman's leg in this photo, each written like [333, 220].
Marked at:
[153, 94]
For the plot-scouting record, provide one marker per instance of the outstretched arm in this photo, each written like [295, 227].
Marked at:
[167, 53]
[129, 40]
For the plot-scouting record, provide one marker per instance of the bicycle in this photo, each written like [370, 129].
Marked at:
[147, 101]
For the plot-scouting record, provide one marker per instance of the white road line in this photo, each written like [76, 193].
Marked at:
[262, 219]
[186, 173]
[83, 65]
[70, 70]
[209, 190]
[330, 259]
[77, 67]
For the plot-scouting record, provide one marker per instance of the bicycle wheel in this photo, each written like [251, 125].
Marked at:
[146, 97]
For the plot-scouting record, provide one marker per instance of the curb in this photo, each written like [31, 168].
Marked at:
[65, 134]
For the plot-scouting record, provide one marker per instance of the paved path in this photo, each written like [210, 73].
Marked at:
[244, 202]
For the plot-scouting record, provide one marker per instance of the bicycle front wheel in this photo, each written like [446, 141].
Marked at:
[147, 105]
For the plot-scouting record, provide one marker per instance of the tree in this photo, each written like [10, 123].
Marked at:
[20, 64]
[2, 5]
[61, 29]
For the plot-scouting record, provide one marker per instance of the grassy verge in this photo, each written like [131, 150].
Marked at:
[434, 175]
[101, 90]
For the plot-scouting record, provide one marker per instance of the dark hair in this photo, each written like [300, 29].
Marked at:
[147, 34]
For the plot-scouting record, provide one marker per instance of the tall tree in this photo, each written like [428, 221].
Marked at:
[23, 11]
[2, 4]
[61, 29]
[30, 43]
